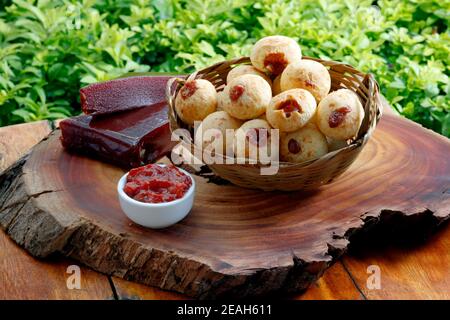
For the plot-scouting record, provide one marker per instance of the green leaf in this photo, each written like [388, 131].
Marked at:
[23, 114]
[207, 48]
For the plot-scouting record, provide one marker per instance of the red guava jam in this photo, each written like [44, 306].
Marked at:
[188, 89]
[236, 92]
[275, 62]
[294, 147]
[289, 106]
[155, 184]
[338, 116]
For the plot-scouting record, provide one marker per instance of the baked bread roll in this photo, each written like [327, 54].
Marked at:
[309, 75]
[334, 145]
[246, 97]
[272, 54]
[340, 114]
[220, 100]
[195, 100]
[291, 110]
[302, 145]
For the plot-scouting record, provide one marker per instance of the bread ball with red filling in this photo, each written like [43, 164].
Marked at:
[246, 97]
[272, 54]
[291, 110]
[340, 114]
[305, 144]
[309, 75]
[195, 100]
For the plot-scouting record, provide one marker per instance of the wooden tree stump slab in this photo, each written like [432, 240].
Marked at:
[235, 242]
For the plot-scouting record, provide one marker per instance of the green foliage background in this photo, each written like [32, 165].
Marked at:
[49, 49]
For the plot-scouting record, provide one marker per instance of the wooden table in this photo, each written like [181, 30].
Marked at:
[419, 272]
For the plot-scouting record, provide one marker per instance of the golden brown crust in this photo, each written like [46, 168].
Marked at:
[197, 99]
[276, 86]
[246, 69]
[272, 54]
[302, 145]
[286, 120]
[348, 122]
[246, 97]
[309, 75]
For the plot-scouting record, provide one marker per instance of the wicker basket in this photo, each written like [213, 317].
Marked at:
[291, 176]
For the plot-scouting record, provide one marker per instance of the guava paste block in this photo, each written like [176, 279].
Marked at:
[123, 94]
[127, 139]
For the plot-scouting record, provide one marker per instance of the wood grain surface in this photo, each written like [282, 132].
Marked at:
[421, 271]
[25, 277]
[235, 242]
[21, 275]
[16, 140]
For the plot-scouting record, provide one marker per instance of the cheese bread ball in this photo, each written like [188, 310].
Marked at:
[218, 122]
[309, 75]
[276, 88]
[195, 100]
[246, 69]
[302, 145]
[340, 114]
[291, 110]
[272, 54]
[254, 133]
[246, 97]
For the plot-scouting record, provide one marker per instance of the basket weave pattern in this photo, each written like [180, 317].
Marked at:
[291, 176]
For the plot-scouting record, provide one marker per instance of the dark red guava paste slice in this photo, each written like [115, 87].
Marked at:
[123, 94]
[127, 139]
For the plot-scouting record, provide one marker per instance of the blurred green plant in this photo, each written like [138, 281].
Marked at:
[49, 49]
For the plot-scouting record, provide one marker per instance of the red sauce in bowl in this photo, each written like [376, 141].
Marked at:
[156, 184]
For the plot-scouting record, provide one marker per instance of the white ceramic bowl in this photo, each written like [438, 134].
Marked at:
[156, 215]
